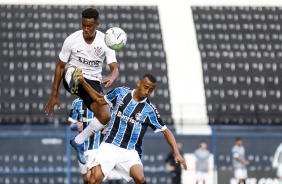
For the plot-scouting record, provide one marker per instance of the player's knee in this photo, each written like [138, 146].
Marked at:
[140, 179]
[104, 118]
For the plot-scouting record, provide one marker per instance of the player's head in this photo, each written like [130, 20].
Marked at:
[90, 22]
[239, 141]
[203, 145]
[145, 86]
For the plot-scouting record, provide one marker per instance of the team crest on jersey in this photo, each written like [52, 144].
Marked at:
[98, 51]
[138, 116]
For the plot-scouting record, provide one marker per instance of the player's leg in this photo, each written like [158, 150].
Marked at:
[136, 172]
[84, 172]
[86, 177]
[71, 77]
[97, 175]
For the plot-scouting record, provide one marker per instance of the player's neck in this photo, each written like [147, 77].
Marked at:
[90, 39]
[136, 97]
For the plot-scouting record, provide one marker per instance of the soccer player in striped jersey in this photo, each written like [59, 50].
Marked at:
[122, 146]
[80, 116]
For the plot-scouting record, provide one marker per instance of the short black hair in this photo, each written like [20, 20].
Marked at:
[150, 77]
[90, 13]
[238, 139]
[203, 141]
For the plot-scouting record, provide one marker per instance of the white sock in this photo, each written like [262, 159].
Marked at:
[93, 127]
[68, 75]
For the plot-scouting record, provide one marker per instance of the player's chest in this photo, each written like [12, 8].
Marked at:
[89, 50]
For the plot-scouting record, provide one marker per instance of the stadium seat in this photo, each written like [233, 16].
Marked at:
[240, 53]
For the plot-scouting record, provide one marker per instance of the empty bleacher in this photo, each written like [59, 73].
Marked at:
[32, 37]
[241, 54]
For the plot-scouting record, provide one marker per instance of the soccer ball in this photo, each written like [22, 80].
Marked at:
[115, 38]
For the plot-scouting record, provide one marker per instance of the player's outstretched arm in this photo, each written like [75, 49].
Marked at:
[54, 100]
[97, 97]
[113, 75]
[171, 141]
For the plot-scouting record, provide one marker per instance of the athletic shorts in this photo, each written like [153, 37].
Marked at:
[202, 176]
[82, 93]
[89, 155]
[110, 156]
[240, 174]
[114, 175]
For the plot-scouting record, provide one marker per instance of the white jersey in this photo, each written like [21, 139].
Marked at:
[88, 57]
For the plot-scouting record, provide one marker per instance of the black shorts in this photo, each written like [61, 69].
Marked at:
[83, 94]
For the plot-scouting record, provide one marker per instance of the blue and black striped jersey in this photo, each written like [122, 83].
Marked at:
[82, 114]
[130, 119]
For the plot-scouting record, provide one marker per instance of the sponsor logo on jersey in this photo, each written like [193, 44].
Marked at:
[127, 118]
[94, 63]
[98, 51]
[156, 111]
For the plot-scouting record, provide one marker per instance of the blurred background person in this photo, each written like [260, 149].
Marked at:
[239, 161]
[202, 156]
[277, 162]
[174, 168]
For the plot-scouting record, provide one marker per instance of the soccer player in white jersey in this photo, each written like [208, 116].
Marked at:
[202, 156]
[83, 52]
[122, 145]
[239, 161]
[277, 162]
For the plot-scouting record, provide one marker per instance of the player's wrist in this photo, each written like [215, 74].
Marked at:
[74, 127]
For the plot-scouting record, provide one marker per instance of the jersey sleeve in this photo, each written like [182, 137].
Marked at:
[111, 96]
[154, 119]
[235, 153]
[73, 113]
[66, 50]
[110, 55]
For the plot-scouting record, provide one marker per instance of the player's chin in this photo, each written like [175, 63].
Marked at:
[87, 35]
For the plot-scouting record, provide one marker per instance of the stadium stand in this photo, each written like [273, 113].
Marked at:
[32, 37]
[241, 54]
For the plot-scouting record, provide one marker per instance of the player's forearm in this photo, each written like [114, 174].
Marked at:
[171, 141]
[97, 97]
[57, 78]
[114, 74]
[240, 160]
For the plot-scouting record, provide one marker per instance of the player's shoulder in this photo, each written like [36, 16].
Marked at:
[74, 35]
[100, 34]
[235, 148]
[196, 152]
[124, 88]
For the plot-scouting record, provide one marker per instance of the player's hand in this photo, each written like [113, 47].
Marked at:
[107, 81]
[179, 158]
[171, 168]
[247, 162]
[49, 108]
[105, 131]
[79, 126]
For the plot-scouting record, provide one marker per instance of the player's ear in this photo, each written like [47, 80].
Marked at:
[138, 83]
[97, 23]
